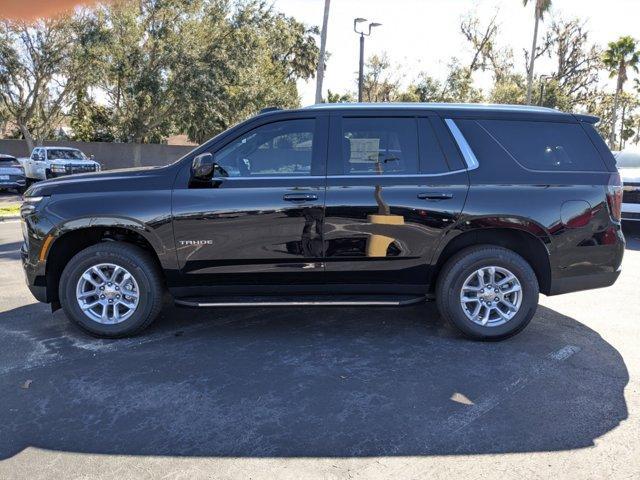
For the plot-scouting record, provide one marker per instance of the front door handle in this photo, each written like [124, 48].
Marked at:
[300, 197]
[435, 196]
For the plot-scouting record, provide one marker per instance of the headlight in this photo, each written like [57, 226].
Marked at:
[58, 168]
[29, 205]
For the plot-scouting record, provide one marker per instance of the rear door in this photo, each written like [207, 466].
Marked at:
[396, 186]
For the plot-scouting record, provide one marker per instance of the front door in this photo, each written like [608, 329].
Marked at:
[392, 194]
[260, 220]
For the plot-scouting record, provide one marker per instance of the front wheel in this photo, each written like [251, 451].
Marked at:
[111, 289]
[487, 292]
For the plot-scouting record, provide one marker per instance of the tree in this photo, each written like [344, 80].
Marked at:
[250, 59]
[40, 66]
[483, 40]
[322, 54]
[541, 7]
[197, 66]
[4, 120]
[619, 57]
[333, 97]
[456, 88]
[146, 49]
[577, 63]
[91, 122]
[379, 84]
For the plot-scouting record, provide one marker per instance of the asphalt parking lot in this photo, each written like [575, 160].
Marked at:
[321, 392]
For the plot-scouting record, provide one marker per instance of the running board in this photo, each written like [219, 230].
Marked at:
[333, 301]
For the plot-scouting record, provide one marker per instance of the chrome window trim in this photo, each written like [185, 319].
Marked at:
[397, 175]
[272, 177]
[344, 176]
[467, 153]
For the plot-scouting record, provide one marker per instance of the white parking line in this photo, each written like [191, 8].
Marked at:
[460, 421]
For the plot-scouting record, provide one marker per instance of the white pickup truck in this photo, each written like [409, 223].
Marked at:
[52, 162]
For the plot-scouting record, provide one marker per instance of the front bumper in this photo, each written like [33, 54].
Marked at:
[70, 171]
[35, 282]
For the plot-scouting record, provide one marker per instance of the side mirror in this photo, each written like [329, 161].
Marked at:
[202, 168]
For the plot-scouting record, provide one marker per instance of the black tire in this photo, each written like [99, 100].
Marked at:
[464, 263]
[141, 266]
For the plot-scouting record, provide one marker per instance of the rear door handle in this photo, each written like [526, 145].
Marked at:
[300, 197]
[435, 196]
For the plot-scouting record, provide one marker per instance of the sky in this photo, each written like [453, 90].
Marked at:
[422, 35]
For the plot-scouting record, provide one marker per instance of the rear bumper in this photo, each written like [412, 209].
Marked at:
[583, 282]
[13, 183]
[631, 211]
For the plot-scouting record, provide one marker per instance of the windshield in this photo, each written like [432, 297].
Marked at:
[628, 160]
[62, 154]
[9, 162]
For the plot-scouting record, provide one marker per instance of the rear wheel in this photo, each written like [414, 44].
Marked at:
[487, 292]
[111, 289]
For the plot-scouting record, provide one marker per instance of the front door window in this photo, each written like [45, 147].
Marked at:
[277, 149]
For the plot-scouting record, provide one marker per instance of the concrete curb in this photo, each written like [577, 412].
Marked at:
[14, 217]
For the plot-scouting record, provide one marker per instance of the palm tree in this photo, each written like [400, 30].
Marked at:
[542, 6]
[618, 58]
[323, 47]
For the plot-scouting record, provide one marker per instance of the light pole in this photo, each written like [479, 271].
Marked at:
[323, 48]
[361, 66]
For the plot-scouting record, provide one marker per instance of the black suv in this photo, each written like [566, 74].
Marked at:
[479, 207]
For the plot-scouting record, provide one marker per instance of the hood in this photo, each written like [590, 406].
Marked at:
[63, 161]
[630, 175]
[128, 179]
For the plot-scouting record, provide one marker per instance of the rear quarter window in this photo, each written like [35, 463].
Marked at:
[545, 146]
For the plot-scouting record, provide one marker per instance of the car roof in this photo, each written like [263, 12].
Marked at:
[437, 107]
[60, 148]
[468, 110]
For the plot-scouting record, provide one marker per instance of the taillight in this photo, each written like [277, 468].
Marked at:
[614, 196]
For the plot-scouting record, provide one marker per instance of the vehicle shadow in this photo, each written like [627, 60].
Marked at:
[305, 383]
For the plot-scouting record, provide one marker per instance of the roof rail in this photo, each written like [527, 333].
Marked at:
[269, 109]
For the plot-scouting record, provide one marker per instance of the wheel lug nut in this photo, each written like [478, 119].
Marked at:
[488, 304]
[495, 299]
[482, 290]
[102, 296]
[118, 297]
[110, 301]
[117, 288]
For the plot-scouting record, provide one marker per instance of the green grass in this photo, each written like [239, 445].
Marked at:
[10, 210]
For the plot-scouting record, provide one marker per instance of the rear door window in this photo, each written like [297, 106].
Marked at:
[432, 159]
[379, 146]
[546, 146]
